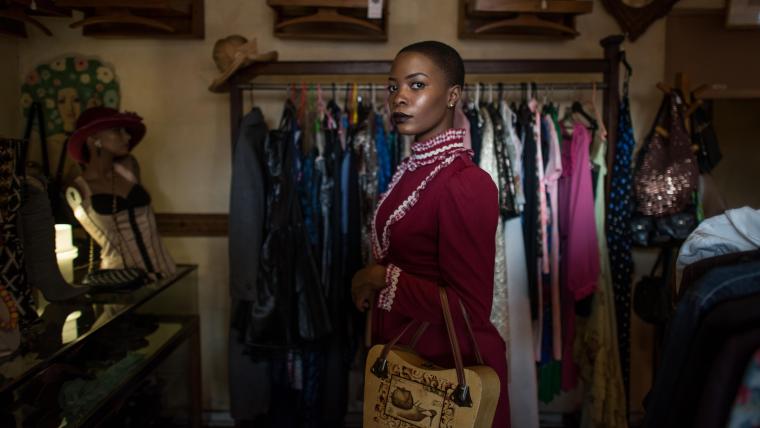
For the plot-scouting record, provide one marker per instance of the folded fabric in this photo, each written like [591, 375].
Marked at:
[735, 230]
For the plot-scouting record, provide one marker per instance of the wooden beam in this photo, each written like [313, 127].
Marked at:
[186, 225]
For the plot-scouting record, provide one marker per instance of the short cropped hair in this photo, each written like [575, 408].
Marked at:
[444, 56]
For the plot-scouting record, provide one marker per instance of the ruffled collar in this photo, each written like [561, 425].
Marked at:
[437, 148]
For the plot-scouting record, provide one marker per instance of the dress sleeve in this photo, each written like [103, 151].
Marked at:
[467, 218]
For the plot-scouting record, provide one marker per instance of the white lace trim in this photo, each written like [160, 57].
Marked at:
[444, 137]
[417, 157]
[380, 249]
[388, 294]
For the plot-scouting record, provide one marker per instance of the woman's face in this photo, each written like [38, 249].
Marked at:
[419, 96]
[68, 107]
[115, 141]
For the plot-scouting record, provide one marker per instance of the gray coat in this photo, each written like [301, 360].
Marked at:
[249, 380]
[247, 199]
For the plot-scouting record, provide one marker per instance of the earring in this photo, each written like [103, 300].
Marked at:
[98, 146]
[451, 105]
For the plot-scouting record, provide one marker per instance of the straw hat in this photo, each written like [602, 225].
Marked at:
[233, 53]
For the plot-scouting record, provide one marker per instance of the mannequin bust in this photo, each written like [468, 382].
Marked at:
[108, 199]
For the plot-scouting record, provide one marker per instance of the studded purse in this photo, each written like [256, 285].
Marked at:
[666, 172]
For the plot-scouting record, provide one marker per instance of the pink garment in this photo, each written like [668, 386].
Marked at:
[553, 172]
[582, 253]
[542, 264]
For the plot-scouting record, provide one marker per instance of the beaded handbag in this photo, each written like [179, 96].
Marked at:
[666, 173]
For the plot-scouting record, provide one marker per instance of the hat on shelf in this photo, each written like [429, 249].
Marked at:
[233, 53]
[96, 119]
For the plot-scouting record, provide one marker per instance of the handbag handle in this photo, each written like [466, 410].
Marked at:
[461, 395]
[35, 112]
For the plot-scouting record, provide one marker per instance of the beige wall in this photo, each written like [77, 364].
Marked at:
[185, 156]
[9, 88]
[738, 130]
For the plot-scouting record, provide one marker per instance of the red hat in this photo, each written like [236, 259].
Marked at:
[96, 119]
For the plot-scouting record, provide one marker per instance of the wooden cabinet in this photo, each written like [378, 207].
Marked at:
[120, 356]
[499, 19]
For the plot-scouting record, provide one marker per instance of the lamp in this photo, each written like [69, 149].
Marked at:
[65, 251]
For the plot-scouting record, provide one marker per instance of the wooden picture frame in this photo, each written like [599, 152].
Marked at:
[743, 14]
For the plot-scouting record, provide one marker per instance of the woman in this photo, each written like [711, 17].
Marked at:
[436, 225]
[108, 199]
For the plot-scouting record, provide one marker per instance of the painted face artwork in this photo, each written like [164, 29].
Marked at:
[418, 95]
[69, 107]
[67, 86]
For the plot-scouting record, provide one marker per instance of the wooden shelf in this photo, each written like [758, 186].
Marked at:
[172, 19]
[500, 19]
[328, 20]
[493, 7]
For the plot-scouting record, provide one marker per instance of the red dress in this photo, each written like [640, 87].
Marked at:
[436, 226]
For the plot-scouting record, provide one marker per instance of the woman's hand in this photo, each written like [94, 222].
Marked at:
[364, 285]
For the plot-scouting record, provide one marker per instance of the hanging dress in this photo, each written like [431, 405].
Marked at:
[488, 162]
[619, 237]
[523, 388]
[598, 360]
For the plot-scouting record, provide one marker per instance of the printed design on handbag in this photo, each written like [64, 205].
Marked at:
[411, 397]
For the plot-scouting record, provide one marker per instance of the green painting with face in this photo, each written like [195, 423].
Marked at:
[65, 87]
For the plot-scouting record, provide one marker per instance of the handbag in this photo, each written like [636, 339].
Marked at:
[61, 210]
[112, 279]
[13, 273]
[666, 172]
[402, 390]
[652, 297]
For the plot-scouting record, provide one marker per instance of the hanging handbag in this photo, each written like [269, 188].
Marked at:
[402, 390]
[666, 173]
[13, 273]
[61, 210]
[652, 297]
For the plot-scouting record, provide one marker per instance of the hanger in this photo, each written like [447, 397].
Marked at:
[490, 93]
[501, 92]
[627, 65]
[527, 20]
[328, 15]
[123, 16]
[577, 107]
[597, 113]
[17, 13]
[477, 95]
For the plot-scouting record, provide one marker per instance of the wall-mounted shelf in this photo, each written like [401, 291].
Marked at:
[500, 19]
[16, 15]
[328, 20]
[174, 19]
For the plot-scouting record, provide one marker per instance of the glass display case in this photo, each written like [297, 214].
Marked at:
[127, 358]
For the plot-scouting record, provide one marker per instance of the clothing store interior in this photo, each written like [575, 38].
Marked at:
[379, 213]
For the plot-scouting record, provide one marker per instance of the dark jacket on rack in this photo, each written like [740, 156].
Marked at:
[288, 306]
[249, 380]
[246, 219]
[718, 285]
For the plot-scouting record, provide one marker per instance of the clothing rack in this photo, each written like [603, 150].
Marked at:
[571, 86]
[608, 66]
